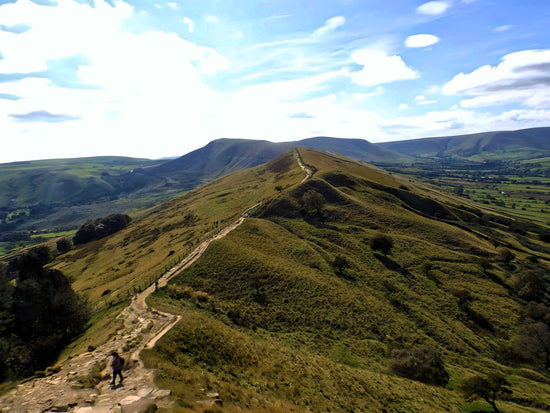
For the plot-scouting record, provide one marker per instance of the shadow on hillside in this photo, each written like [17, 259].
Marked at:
[392, 265]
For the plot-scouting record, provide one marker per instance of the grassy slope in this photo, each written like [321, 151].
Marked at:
[105, 271]
[281, 330]
[520, 144]
[60, 180]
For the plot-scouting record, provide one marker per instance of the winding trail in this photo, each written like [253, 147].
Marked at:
[142, 328]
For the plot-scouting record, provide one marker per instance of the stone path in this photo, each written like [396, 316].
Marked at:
[142, 328]
[308, 171]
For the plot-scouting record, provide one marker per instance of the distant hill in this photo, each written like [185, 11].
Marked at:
[61, 194]
[223, 156]
[512, 145]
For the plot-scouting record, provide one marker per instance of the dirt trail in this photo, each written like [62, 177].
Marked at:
[142, 328]
[308, 171]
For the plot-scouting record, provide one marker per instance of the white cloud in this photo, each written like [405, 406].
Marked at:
[521, 77]
[421, 40]
[379, 68]
[361, 97]
[421, 100]
[403, 106]
[190, 24]
[433, 7]
[503, 28]
[330, 25]
[48, 37]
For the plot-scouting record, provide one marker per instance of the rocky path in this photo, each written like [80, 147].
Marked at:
[308, 171]
[142, 328]
[65, 391]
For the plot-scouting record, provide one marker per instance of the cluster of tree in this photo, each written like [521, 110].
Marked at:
[39, 314]
[101, 227]
[532, 342]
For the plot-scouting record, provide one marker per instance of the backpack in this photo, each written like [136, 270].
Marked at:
[121, 362]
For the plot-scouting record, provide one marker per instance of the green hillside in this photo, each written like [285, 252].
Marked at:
[500, 145]
[295, 311]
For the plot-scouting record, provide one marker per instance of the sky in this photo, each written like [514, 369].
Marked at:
[155, 78]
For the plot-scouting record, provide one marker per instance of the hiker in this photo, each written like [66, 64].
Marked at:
[156, 284]
[116, 364]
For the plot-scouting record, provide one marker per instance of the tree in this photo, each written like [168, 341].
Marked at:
[486, 388]
[533, 343]
[6, 319]
[99, 228]
[422, 364]
[382, 243]
[506, 255]
[39, 315]
[64, 245]
[530, 285]
[340, 263]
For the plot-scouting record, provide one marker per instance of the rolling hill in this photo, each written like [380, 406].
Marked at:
[502, 145]
[59, 195]
[295, 311]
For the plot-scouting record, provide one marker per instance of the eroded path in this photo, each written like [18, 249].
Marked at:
[142, 328]
[308, 171]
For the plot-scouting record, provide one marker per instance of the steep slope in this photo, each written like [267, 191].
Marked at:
[520, 144]
[294, 311]
[271, 321]
[220, 157]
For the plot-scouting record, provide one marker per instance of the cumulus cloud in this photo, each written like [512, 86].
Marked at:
[421, 40]
[330, 25]
[379, 68]
[521, 77]
[433, 7]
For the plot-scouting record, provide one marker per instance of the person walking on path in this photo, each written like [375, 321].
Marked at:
[116, 364]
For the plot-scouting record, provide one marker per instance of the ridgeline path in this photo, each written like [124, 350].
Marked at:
[142, 328]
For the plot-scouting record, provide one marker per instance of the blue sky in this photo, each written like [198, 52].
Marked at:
[162, 78]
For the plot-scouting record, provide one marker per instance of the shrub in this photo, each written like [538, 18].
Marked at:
[505, 255]
[382, 243]
[420, 364]
[179, 293]
[340, 263]
[64, 245]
